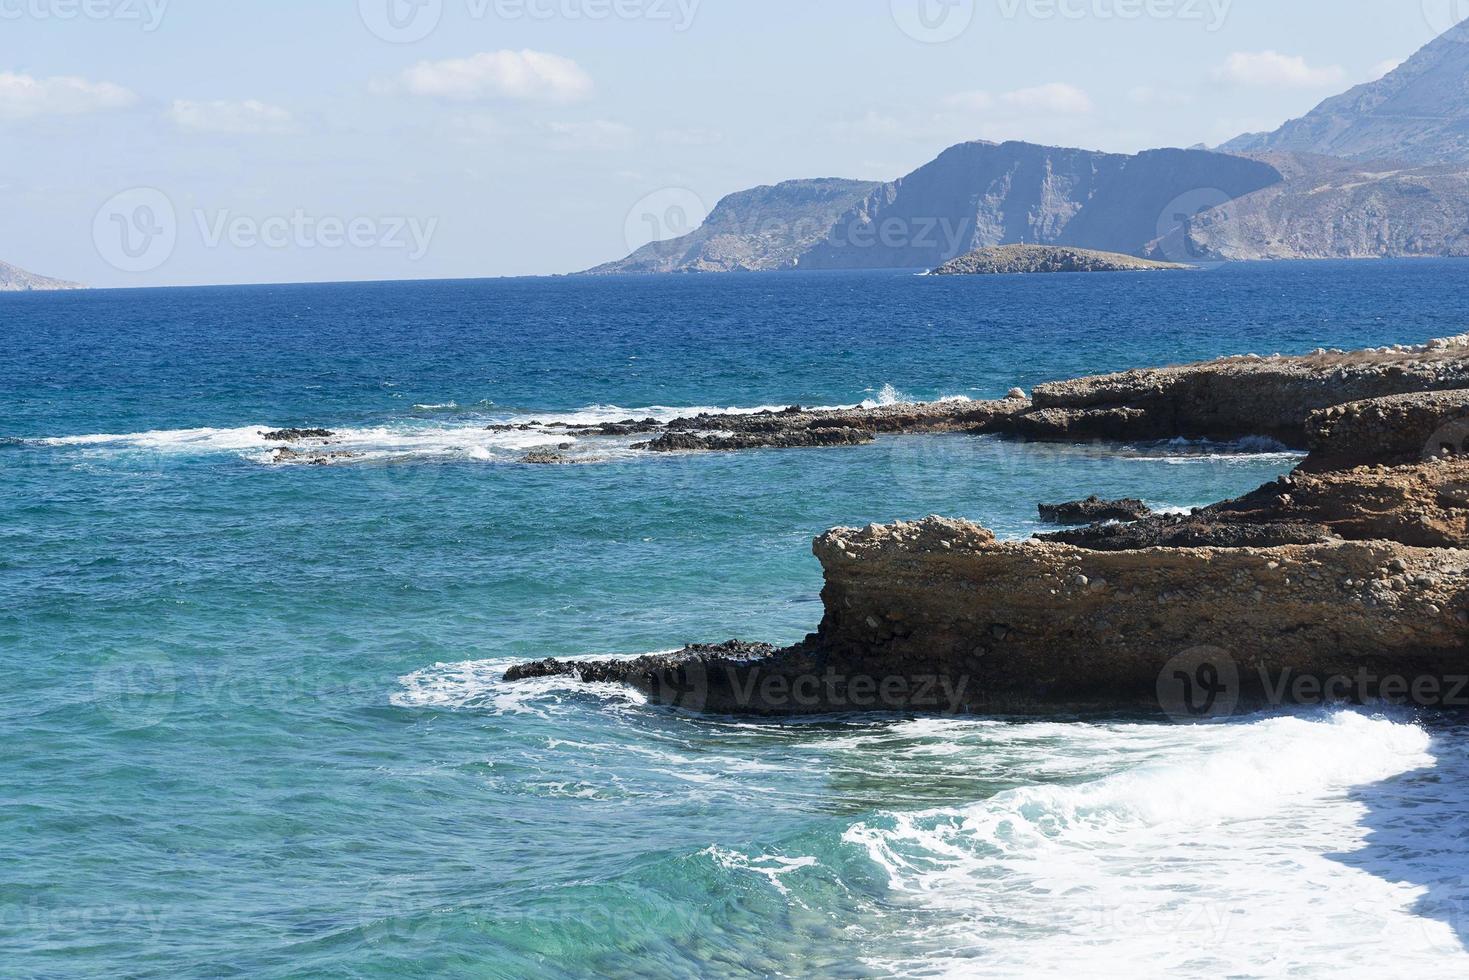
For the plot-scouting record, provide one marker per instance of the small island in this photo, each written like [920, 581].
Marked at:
[1017, 259]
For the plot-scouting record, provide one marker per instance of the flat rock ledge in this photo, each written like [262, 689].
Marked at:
[1347, 580]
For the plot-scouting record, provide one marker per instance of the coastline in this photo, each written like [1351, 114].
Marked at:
[1348, 573]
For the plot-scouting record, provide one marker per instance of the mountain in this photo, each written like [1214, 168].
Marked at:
[972, 196]
[13, 280]
[1416, 114]
[761, 229]
[977, 195]
[1333, 209]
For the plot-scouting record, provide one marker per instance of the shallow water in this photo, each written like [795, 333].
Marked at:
[256, 726]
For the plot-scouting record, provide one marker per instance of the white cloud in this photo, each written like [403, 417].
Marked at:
[239, 118]
[1057, 97]
[1271, 68]
[531, 76]
[24, 97]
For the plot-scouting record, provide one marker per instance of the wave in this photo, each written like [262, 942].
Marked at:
[479, 685]
[1183, 865]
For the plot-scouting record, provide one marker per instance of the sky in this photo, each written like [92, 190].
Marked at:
[182, 142]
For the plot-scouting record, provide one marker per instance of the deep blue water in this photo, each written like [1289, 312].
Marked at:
[254, 723]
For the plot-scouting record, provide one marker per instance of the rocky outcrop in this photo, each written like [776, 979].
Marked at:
[1238, 396]
[1348, 580]
[15, 280]
[1094, 509]
[1034, 259]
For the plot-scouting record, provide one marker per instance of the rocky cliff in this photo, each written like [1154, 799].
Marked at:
[978, 195]
[764, 229]
[1416, 114]
[14, 280]
[1330, 209]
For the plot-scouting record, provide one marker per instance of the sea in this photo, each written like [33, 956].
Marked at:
[254, 721]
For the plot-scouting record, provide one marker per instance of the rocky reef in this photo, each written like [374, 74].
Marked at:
[1347, 580]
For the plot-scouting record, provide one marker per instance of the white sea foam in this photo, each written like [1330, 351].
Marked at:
[1212, 856]
[479, 685]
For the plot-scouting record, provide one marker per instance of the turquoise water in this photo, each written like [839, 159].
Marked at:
[255, 723]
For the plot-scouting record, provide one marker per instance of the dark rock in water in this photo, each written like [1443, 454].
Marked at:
[296, 435]
[796, 439]
[315, 457]
[545, 457]
[1094, 509]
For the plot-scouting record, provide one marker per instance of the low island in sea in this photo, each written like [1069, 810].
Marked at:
[1023, 259]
